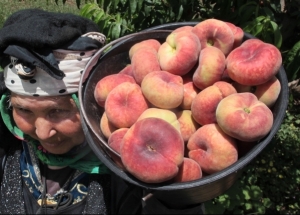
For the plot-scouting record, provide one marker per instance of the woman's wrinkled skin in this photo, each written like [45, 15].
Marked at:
[54, 121]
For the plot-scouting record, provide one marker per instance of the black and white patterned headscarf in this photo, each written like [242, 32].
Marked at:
[45, 53]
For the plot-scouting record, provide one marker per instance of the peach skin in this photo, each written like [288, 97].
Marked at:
[189, 170]
[179, 53]
[188, 125]
[244, 117]
[205, 103]
[238, 34]
[212, 149]
[106, 127]
[254, 62]
[210, 68]
[114, 142]
[148, 43]
[106, 84]
[163, 89]
[152, 150]
[167, 115]
[124, 104]
[143, 62]
[267, 92]
[214, 32]
[189, 92]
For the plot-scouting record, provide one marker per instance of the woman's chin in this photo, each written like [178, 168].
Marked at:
[56, 148]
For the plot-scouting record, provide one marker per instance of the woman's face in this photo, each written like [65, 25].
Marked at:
[53, 121]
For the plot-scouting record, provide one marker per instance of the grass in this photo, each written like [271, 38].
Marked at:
[8, 7]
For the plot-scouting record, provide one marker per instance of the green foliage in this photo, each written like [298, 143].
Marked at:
[117, 18]
[241, 198]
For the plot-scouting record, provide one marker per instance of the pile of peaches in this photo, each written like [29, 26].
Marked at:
[190, 106]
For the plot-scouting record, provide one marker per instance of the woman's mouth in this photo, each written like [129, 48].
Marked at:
[51, 144]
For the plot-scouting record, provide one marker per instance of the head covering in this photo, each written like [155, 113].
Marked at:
[44, 53]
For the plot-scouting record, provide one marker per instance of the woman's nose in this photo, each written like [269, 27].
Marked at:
[44, 128]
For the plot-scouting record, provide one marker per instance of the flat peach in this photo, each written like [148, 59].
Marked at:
[148, 43]
[152, 150]
[212, 149]
[244, 117]
[143, 62]
[179, 53]
[106, 127]
[238, 34]
[189, 170]
[189, 92]
[163, 89]
[167, 115]
[254, 62]
[114, 142]
[106, 84]
[210, 68]
[188, 125]
[214, 32]
[205, 103]
[124, 104]
[127, 70]
[267, 92]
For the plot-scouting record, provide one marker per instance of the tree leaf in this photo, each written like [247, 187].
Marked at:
[116, 30]
[246, 192]
[291, 62]
[256, 192]
[248, 206]
[99, 15]
[259, 19]
[124, 28]
[257, 29]
[132, 6]
[277, 34]
[179, 13]
[267, 202]
[88, 10]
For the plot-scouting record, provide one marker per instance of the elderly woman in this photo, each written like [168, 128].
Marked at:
[46, 165]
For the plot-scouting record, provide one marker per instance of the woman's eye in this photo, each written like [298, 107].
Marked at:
[22, 110]
[57, 112]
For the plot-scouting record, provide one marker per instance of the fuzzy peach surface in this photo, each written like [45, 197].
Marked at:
[212, 148]
[254, 62]
[244, 117]
[152, 150]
